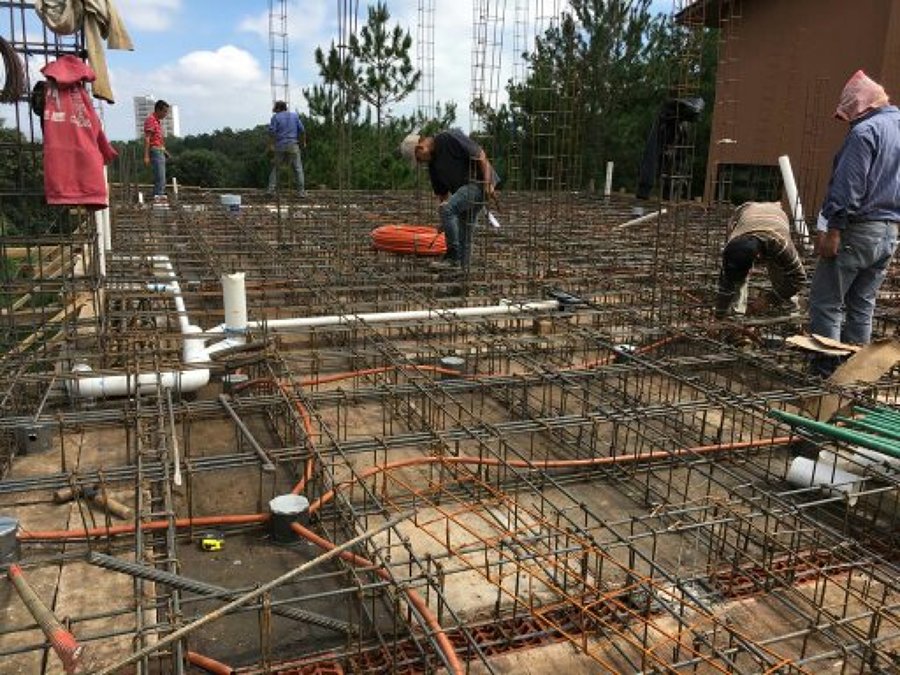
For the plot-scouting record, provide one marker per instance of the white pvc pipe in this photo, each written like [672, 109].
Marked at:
[861, 458]
[174, 186]
[413, 315]
[127, 385]
[640, 219]
[234, 297]
[793, 197]
[195, 351]
[101, 248]
[607, 187]
[805, 472]
[107, 230]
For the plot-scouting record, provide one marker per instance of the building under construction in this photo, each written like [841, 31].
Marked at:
[244, 440]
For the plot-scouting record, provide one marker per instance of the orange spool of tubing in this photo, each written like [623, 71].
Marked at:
[409, 239]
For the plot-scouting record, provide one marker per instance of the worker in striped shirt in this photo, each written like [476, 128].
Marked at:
[760, 234]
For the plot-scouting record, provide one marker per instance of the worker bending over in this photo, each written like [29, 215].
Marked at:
[761, 233]
[463, 180]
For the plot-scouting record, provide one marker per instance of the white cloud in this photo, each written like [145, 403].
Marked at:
[212, 89]
[149, 15]
[307, 22]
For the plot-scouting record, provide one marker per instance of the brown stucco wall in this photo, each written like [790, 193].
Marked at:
[781, 70]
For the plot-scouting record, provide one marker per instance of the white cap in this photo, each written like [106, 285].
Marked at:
[408, 148]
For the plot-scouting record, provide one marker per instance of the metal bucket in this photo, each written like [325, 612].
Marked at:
[286, 510]
[9, 543]
[456, 363]
[623, 352]
[33, 439]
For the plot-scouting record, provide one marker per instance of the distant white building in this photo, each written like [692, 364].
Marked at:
[143, 106]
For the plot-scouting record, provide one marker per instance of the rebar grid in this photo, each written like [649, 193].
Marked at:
[665, 512]
[603, 474]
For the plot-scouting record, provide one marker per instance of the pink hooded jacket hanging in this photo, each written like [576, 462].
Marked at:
[75, 147]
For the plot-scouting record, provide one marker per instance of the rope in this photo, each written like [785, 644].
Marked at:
[409, 239]
[14, 81]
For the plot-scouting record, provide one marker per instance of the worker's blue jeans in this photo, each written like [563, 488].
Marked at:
[289, 155]
[843, 290]
[158, 165]
[458, 215]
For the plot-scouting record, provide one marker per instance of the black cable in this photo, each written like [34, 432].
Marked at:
[14, 82]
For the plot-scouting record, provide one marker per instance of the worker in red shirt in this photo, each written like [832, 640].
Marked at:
[155, 152]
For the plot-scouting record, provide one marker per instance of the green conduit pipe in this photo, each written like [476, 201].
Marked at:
[882, 420]
[856, 437]
[890, 424]
[888, 415]
[867, 424]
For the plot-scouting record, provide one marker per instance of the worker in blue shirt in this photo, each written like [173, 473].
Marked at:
[286, 136]
[861, 211]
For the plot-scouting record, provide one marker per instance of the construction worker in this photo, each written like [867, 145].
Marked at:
[860, 216]
[286, 136]
[760, 234]
[155, 153]
[463, 180]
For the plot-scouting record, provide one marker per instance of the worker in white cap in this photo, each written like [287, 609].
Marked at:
[463, 180]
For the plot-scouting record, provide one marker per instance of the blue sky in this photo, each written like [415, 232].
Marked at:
[211, 57]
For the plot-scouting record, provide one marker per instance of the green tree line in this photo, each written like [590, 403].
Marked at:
[595, 82]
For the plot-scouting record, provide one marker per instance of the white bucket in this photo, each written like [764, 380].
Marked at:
[231, 202]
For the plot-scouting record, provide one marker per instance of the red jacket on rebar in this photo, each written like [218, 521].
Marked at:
[75, 147]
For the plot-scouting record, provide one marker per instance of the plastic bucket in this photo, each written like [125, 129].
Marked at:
[232, 203]
[286, 510]
[9, 543]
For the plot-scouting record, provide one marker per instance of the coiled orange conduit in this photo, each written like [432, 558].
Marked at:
[409, 239]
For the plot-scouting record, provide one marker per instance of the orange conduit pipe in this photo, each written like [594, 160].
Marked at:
[251, 518]
[421, 606]
[558, 463]
[409, 239]
[208, 664]
[204, 521]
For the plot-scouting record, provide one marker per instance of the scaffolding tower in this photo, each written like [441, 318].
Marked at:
[278, 51]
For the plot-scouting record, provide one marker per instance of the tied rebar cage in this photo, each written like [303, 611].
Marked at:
[49, 256]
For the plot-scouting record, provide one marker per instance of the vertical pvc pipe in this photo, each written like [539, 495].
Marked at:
[101, 248]
[174, 186]
[235, 300]
[63, 642]
[793, 197]
[607, 187]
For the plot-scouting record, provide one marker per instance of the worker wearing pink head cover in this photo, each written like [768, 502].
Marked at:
[861, 210]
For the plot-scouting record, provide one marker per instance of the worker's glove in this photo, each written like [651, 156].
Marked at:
[829, 244]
